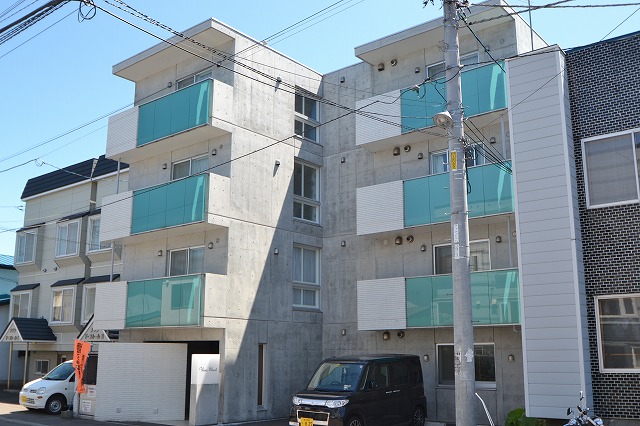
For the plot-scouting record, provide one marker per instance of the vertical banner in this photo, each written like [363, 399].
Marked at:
[80, 354]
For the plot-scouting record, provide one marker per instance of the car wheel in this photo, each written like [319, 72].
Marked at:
[417, 419]
[55, 404]
[355, 421]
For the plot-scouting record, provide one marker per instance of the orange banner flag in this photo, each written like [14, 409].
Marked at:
[80, 354]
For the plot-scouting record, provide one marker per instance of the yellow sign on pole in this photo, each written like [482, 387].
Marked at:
[454, 161]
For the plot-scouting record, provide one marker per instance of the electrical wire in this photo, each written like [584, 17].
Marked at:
[618, 26]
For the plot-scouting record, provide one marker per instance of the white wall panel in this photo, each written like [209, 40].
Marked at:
[115, 221]
[369, 129]
[380, 208]
[141, 382]
[382, 304]
[122, 133]
[111, 305]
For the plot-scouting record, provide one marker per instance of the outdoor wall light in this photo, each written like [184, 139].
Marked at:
[343, 160]
[417, 70]
[513, 234]
[396, 151]
[44, 270]
[343, 332]
[398, 240]
[498, 239]
[423, 247]
[420, 156]
[341, 79]
[381, 66]
[276, 251]
[425, 357]
[400, 334]
[164, 166]
[277, 163]
[343, 243]
[214, 151]
[210, 245]
[159, 253]
[511, 358]
[386, 336]
[492, 139]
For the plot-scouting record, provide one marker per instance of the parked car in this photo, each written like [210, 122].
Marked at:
[53, 392]
[362, 390]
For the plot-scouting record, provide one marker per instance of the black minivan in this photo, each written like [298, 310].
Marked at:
[362, 390]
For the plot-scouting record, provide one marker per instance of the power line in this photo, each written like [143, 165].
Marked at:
[618, 26]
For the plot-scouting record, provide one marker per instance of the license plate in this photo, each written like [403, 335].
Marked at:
[305, 421]
[23, 398]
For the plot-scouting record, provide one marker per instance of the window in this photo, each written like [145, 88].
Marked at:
[485, 365]
[306, 269]
[189, 167]
[42, 366]
[186, 261]
[306, 203]
[262, 368]
[25, 247]
[479, 258]
[68, 238]
[88, 302]
[306, 118]
[618, 325]
[611, 169]
[474, 156]
[192, 79]
[21, 304]
[63, 305]
[438, 70]
[94, 236]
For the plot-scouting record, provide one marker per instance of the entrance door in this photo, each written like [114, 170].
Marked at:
[197, 347]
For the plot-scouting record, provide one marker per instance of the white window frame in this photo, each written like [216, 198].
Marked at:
[305, 201]
[90, 243]
[195, 78]
[463, 58]
[599, 333]
[306, 285]
[634, 144]
[190, 161]
[85, 288]
[484, 240]
[477, 160]
[432, 158]
[188, 250]
[20, 295]
[73, 304]
[59, 238]
[306, 120]
[22, 236]
[38, 369]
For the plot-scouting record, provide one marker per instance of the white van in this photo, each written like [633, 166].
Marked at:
[53, 392]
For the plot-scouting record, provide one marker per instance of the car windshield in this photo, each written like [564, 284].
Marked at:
[61, 372]
[336, 376]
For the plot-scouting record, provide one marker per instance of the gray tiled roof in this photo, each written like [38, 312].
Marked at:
[33, 329]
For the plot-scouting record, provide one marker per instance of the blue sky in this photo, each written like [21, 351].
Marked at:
[61, 78]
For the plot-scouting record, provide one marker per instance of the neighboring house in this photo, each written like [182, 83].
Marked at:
[60, 259]
[606, 135]
[8, 280]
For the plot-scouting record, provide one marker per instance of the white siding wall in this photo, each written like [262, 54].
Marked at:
[141, 382]
[111, 305]
[116, 216]
[555, 340]
[382, 304]
[369, 130]
[122, 133]
[380, 208]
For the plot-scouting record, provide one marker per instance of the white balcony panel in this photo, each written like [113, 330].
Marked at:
[380, 208]
[122, 132]
[386, 107]
[382, 304]
[116, 216]
[111, 306]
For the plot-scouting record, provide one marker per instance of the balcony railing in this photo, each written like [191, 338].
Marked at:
[171, 204]
[175, 113]
[483, 90]
[426, 199]
[164, 302]
[495, 299]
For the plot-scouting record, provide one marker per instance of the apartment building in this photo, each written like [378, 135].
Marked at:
[59, 259]
[605, 135]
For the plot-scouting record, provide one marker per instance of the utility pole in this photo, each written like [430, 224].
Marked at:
[464, 365]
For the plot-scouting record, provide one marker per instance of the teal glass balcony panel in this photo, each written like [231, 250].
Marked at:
[426, 199]
[483, 90]
[175, 113]
[495, 299]
[172, 204]
[164, 302]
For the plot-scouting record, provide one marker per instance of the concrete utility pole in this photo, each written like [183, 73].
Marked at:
[465, 386]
